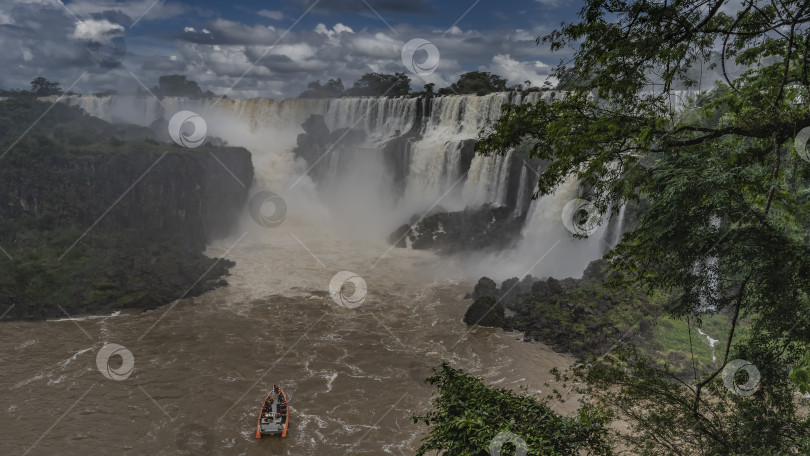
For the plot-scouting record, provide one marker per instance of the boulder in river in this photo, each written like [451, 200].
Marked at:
[486, 311]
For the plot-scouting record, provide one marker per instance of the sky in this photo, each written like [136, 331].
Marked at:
[273, 48]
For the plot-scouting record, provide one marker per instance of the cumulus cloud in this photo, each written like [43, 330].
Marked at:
[91, 28]
[517, 72]
[257, 59]
[334, 32]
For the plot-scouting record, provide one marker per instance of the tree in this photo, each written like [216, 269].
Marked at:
[332, 89]
[468, 416]
[429, 87]
[176, 85]
[379, 84]
[728, 198]
[42, 87]
[476, 82]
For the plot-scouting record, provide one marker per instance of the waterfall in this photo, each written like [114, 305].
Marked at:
[437, 163]
[523, 191]
[426, 143]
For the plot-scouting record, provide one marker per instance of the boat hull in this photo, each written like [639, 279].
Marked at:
[274, 415]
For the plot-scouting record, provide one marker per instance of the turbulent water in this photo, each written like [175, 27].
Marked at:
[202, 365]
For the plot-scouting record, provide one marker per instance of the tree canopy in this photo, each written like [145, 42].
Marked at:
[379, 84]
[726, 179]
[177, 85]
[476, 83]
[42, 87]
[468, 417]
[398, 84]
[332, 89]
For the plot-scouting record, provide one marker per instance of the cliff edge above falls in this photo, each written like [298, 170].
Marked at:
[97, 217]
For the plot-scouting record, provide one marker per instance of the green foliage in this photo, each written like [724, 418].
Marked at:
[332, 89]
[475, 82]
[369, 85]
[42, 87]
[379, 84]
[728, 212]
[800, 374]
[176, 85]
[467, 415]
[582, 316]
[723, 423]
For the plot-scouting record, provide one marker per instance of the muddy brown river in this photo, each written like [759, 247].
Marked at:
[201, 367]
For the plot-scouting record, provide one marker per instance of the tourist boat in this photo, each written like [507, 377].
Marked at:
[274, 417]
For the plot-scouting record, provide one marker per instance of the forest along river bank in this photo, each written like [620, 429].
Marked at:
[201, 367]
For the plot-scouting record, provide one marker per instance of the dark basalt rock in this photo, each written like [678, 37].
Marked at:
[485, 287]
[487, 227]
[398, 237]
[486, 311]
[317, 139]
[509, 292]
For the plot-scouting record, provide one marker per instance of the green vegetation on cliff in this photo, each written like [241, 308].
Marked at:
[587, 318]
[468, 417]
[97, 217]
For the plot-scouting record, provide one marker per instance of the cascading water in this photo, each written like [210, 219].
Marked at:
[431, 139]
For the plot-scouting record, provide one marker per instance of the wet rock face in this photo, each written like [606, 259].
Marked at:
[106, 221]
[317, 140]
[484, 228]
[485, 287]
[189, 193]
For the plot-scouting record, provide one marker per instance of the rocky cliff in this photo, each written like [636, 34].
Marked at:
[92, 222]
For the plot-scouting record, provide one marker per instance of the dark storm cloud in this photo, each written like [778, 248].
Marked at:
[163, 65]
